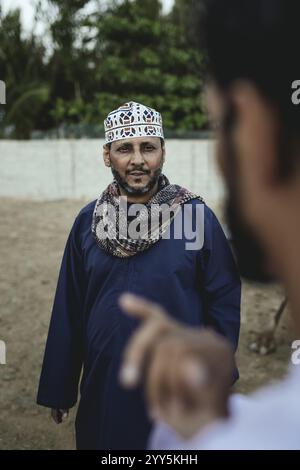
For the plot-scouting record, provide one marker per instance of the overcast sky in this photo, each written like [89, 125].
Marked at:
[27, 9]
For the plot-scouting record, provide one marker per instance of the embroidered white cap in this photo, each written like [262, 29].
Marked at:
[132, 120]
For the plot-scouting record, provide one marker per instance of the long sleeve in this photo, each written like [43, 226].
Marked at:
[220, 281]
[63, 357]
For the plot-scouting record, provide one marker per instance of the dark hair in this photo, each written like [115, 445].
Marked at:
[161, 141]
[257, 40]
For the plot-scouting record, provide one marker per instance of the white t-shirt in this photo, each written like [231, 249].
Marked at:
[266, 420]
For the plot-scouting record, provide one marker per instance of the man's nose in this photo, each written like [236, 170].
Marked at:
[137, 157]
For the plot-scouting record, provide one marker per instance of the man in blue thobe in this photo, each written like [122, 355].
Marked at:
[88, 332]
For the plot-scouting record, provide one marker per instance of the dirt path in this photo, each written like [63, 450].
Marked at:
[32, 239]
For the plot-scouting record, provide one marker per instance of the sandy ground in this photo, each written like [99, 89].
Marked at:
[32, 239]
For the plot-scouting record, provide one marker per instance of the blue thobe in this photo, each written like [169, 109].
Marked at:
[88, 331]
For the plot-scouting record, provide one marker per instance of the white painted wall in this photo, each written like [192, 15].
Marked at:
[56, 169]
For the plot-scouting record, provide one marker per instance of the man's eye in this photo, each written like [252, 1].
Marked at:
[149, 148]
[123, 149]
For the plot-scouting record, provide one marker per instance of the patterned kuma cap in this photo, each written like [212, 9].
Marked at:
[132, 120]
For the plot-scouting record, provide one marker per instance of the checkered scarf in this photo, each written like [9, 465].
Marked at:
[170, 195]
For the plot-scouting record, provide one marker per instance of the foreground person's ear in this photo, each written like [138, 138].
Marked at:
[255, 133]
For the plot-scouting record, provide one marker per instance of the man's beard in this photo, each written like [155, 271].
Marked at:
[251, 257]
[131, 191]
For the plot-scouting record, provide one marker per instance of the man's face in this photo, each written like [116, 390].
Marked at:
[136, 163]
[243, 207]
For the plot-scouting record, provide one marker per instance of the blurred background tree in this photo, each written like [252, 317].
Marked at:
[25, 74]
[93, 57]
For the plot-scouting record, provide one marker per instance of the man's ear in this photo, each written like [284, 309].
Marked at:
[164, 152]
[106, 156]
[255, 131]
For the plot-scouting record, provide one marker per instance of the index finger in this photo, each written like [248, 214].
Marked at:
[141, 308]
[155, 323]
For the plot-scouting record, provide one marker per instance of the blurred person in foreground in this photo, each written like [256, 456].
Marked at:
[254, 67]
[207, 383]
[104, 256]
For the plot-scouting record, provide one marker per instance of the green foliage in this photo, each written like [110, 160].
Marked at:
[97, 60]
[24, 73]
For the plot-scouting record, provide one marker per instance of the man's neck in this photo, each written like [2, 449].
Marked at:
[291, 279]
[139, 199]
[284, 249]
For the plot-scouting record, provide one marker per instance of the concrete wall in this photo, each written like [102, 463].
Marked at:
[55, 169]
